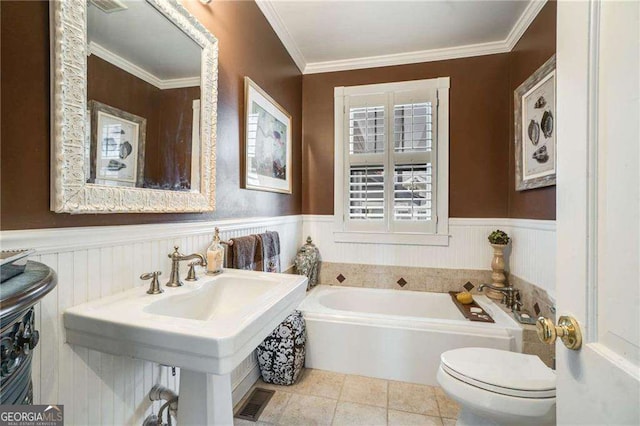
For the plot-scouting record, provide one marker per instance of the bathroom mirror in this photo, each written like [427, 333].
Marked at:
[133, 108]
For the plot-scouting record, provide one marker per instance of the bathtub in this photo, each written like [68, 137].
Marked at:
[394, 334]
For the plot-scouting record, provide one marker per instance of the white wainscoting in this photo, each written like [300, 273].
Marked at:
[531, 256]
[94, 262]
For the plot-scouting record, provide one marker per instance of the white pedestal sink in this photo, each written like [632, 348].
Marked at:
[205, 327]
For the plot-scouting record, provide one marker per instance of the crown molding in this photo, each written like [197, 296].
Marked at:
[407, 58]
[266, 6]
[480, 49]
[528, 15]
[141, 73]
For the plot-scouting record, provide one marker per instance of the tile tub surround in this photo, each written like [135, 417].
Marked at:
[438, 280]
[327, 398]
[535, 300]
[532, 345]
[441, 281]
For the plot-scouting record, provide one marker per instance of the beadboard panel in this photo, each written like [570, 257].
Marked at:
[94, 262]
[531, 255]
[98, 388]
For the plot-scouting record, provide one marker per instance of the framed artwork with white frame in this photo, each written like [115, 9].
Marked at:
[534, 124]
[267, 142]
[117, 151]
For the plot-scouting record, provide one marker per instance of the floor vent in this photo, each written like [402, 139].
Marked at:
[254, 405]
[109, 6]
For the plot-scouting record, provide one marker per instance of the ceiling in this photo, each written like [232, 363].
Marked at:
[141, 37]
[326, 35]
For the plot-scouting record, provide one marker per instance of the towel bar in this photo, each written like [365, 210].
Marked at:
[228, 243]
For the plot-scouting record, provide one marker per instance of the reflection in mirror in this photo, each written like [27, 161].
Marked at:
[143, 99]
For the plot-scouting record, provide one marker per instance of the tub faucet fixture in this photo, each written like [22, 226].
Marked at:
[511, 295]
[177, 257]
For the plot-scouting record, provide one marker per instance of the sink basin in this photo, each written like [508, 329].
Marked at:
[228, 296]
[206, 328]
[209, 325]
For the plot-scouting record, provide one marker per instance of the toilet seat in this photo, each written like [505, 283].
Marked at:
[501, 372]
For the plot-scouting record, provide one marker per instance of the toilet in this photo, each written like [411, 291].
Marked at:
[496, 387]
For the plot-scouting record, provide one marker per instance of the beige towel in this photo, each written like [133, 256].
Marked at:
[246, 253]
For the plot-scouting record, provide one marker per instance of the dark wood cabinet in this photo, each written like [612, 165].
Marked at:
[19, 335]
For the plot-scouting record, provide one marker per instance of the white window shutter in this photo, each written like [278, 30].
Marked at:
[389, 163]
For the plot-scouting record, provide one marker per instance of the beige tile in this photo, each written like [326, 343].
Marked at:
[308, 410]
[413, 398]
[243, 422]
[321, 383]
[365, 390]
[449, 284]
[290, 388]
[433, 284]
[400, 418]
[417, 284]
[350, 413]
[448, 422]
[448, 407]
[384, 280]
[543, 351]
[274, 409]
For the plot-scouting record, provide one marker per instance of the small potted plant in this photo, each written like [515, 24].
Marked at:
[498, 240]
[499, 237]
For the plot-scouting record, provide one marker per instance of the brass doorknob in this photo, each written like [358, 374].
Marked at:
[567, 329]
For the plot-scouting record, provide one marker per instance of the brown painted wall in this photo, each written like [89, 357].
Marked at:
[168, 113]
[175, 126]
[248, 46]
[478, 113]
[115, 87]
[536, 46]
[481, 165]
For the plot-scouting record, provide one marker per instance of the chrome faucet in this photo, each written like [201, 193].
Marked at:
[510, 295]
[177, 257]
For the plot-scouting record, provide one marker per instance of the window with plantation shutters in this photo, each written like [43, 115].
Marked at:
[392, 162]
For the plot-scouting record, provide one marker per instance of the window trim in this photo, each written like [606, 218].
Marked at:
[441, 235]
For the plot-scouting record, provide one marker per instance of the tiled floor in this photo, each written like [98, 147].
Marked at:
[326, 398]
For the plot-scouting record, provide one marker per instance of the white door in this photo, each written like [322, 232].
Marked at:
[598, 220]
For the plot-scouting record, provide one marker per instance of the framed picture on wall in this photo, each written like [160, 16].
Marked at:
[267, 165]
[116, 155]
[534, 124]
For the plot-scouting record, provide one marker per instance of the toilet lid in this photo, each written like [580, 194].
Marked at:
[508, 373]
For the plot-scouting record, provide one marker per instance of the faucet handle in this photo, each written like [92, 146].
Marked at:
[154, 288]
[516, 305]
[191, 275]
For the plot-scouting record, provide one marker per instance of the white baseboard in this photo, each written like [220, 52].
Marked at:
[243, 386]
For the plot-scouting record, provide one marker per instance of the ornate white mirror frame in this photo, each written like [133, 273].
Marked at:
[70, 193]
